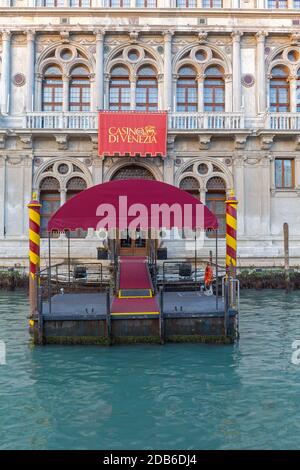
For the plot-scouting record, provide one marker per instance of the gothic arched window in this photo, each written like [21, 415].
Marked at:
[186, 3]
[146, 89]
[215, 201]
[119, 89]
[52, 97]
[79, 89]
[214, 89]
[187, 89]
[191, 186]
[279, 90]
[50, 201]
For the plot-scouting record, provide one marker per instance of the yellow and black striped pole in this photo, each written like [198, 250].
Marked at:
[34, 250]
[231, 228]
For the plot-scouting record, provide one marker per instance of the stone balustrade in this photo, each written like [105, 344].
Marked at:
[283, 121]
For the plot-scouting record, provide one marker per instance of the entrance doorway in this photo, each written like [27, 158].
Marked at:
[137, 245]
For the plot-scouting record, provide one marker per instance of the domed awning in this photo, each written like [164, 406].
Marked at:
[125, 204]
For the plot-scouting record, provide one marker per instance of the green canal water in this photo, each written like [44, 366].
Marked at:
[243, 396]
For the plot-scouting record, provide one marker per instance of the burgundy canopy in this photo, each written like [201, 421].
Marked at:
[129, 199]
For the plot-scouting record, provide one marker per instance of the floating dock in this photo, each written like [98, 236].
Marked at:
[135, 314]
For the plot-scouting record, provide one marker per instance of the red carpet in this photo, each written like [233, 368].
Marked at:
[134, 274]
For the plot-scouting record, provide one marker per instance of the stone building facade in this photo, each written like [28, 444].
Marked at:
[227, 72]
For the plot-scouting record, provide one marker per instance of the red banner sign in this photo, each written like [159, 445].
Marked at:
[132, 133]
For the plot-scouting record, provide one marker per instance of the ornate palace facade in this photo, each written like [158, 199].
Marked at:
[227, 72]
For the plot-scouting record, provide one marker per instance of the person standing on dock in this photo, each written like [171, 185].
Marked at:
[208, 279]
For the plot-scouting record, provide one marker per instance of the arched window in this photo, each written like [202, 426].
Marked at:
[80, 3]
[186, 3]
[187, 89]
[119, 3]
[132, 172]
[279, 90]
[190, 185]
[74, 186]
[79, 89]
[212, 3]
[52, 98]
[277, 4]
[52, 3]
[146, 3]
[214, 89]
[119, 90]
[215, 201]
[146, 89]
[50, 201]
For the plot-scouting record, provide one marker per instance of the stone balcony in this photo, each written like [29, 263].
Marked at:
[176, 121]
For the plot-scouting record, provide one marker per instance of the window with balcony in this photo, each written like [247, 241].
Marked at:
[284, 173]
[186, 3]
[214, 89]
[51, 3]
[80, 3]
[52, 95]
[146, 89]
[119, 3]
[277, 4]
[146, 3]
[79, 89]
[279, 90]
[119, 90]
[212, 3]
[187, 90]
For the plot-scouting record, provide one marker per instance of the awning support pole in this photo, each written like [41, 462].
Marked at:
[217, 273]
[49, 271]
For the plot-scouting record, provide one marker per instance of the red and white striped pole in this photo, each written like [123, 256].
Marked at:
[34, 250]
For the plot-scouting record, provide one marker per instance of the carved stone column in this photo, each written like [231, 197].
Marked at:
[200, 80]
[30, 71]
[168, 70]
[38, 92]
[236, 67]
[266, 195]
[228, 92]
[132, 93]
[238, 177]
[100, 69]
[293, 93]
[261, 71]
[97, 170]
[6, 68]
[2, 194]
[66, 80]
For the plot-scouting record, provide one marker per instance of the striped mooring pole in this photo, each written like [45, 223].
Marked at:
[231, 228]
[34, 251]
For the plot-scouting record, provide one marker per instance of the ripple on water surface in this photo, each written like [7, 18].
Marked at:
[175, 396]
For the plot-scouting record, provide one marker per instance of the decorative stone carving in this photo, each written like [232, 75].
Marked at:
[94, 140]
[170, 143]
[65, 37]
[26, 141]
[19, 79]
[297, 142]
[202, 37]
[3, 137]
[134, 36]
[248, 80]
[240, 141]
[62, 141]
[204, 141]
[266, 142]
[295, 39]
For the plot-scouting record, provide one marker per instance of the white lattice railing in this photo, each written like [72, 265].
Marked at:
[176, 121]
[45, 120]
[194, 121]
[283, 121]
